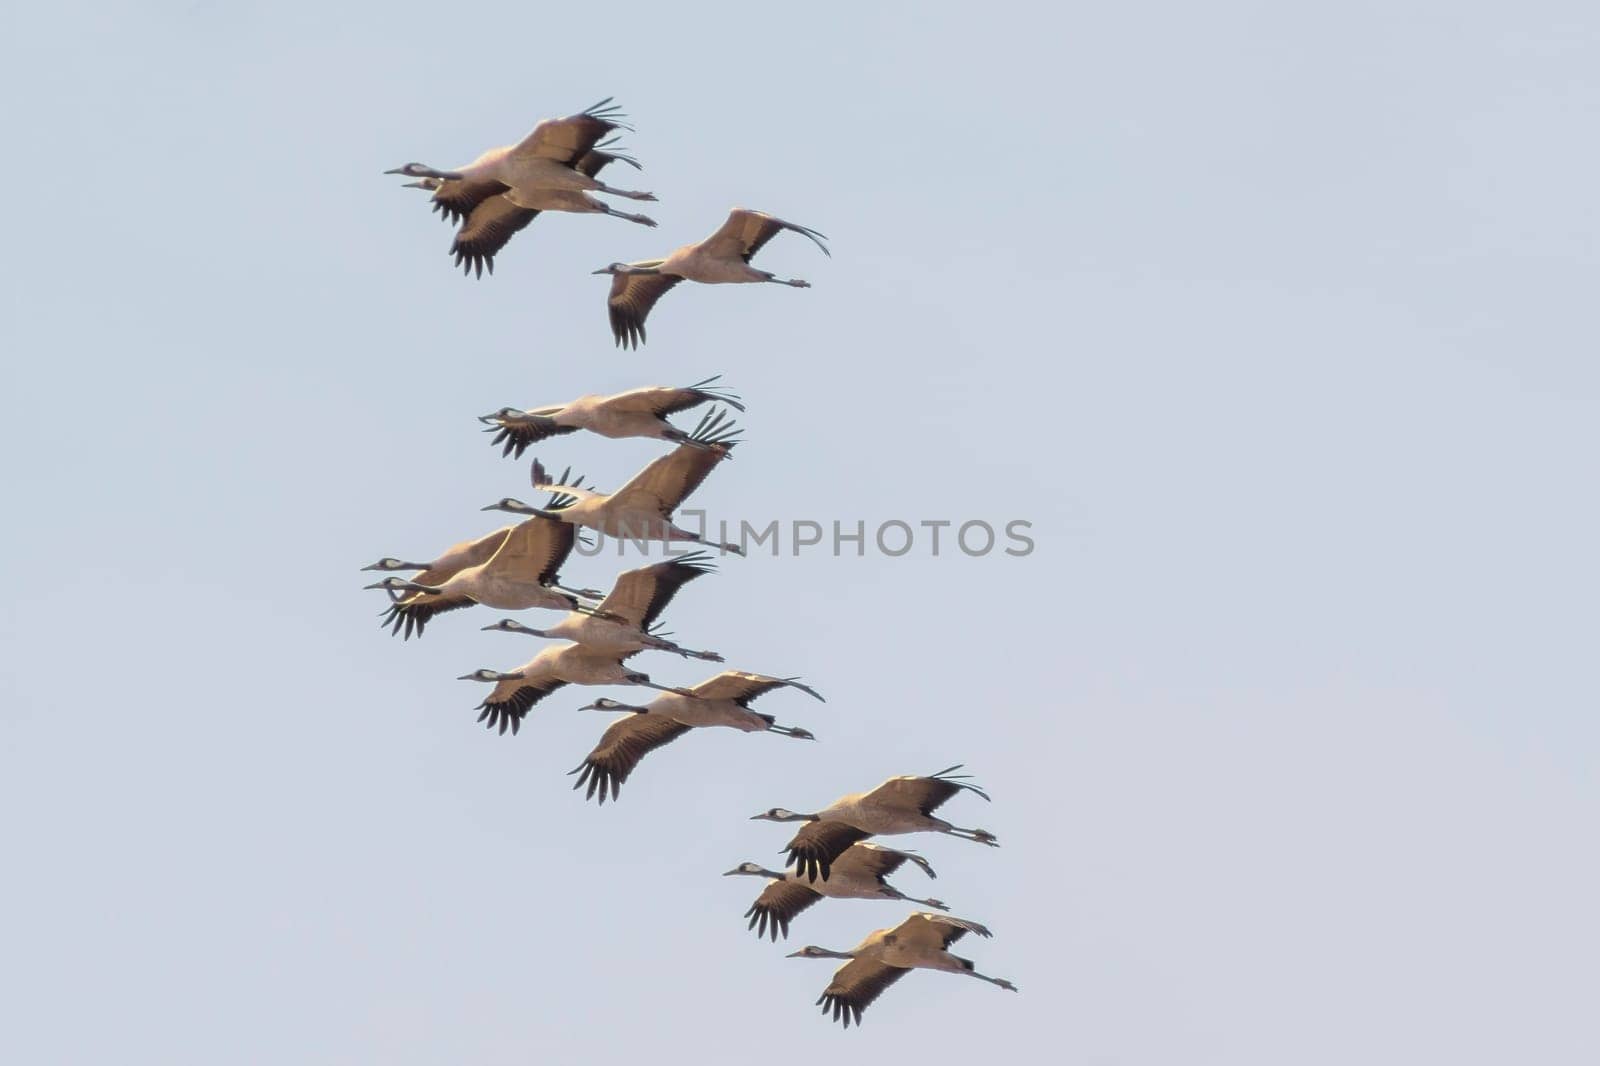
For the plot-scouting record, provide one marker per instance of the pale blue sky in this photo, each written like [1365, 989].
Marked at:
[1277, 321]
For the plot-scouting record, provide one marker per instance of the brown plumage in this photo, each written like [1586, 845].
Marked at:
[862, 872]
[722, 258]
[640, 595]
[518, 690]
[855, 986]
[489, 220]
[640, 412]
[920, 942]
[642, 509]
[621, 747]
[684, 709]
[746, 232]
[813, 849]
[510, 702]
[778, 905]
[630, 300]
[412, 613]
[744, 688]
[520, 574]
[452, 560]
[552, 169]
[569, 139]
[487, 229]
[899, 805]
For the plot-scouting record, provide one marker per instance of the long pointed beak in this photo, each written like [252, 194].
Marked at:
[374, 566]
[730, 873]
[396, 170]
[758, 817]
[376, 584]
[795, 955]
[602, 270]
[491, 419]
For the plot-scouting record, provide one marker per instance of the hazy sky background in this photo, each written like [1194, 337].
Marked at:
[1277, 321]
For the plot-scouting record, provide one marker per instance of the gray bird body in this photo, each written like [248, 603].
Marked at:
[921, 942]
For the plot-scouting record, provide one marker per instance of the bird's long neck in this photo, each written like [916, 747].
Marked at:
[526, 509]
[830, 954]
[442, 175]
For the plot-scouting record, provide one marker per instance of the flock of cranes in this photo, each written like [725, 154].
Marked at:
[518, 567]
[555, 168]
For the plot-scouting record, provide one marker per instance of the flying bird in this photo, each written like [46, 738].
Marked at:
[489, 219]
[552, 169]
[453, 559]
[860, 873]
[636, 413]
[921, 942]
[722, 258]
[642, 509]
[516, 691]
[521, 574]
[723, 700]
[627, 619]
[468, 552]
[899, 805]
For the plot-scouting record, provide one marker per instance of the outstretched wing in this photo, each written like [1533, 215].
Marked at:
[489, 226]
[934, 931]
[489, 220]
[414, 612]
[534, 551]
[814, 848]
[744, 688]
[602, 155]
[458, 557]
[632, 296]
[456, 200]
[639, 596]
[854, 986]
[745, 232]
[925, 794]
[664, 400]
[870, 860]
[777, 905]
[666, 482]
[621, 748]
[518, 432]
[567, 140]
[510, 702]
